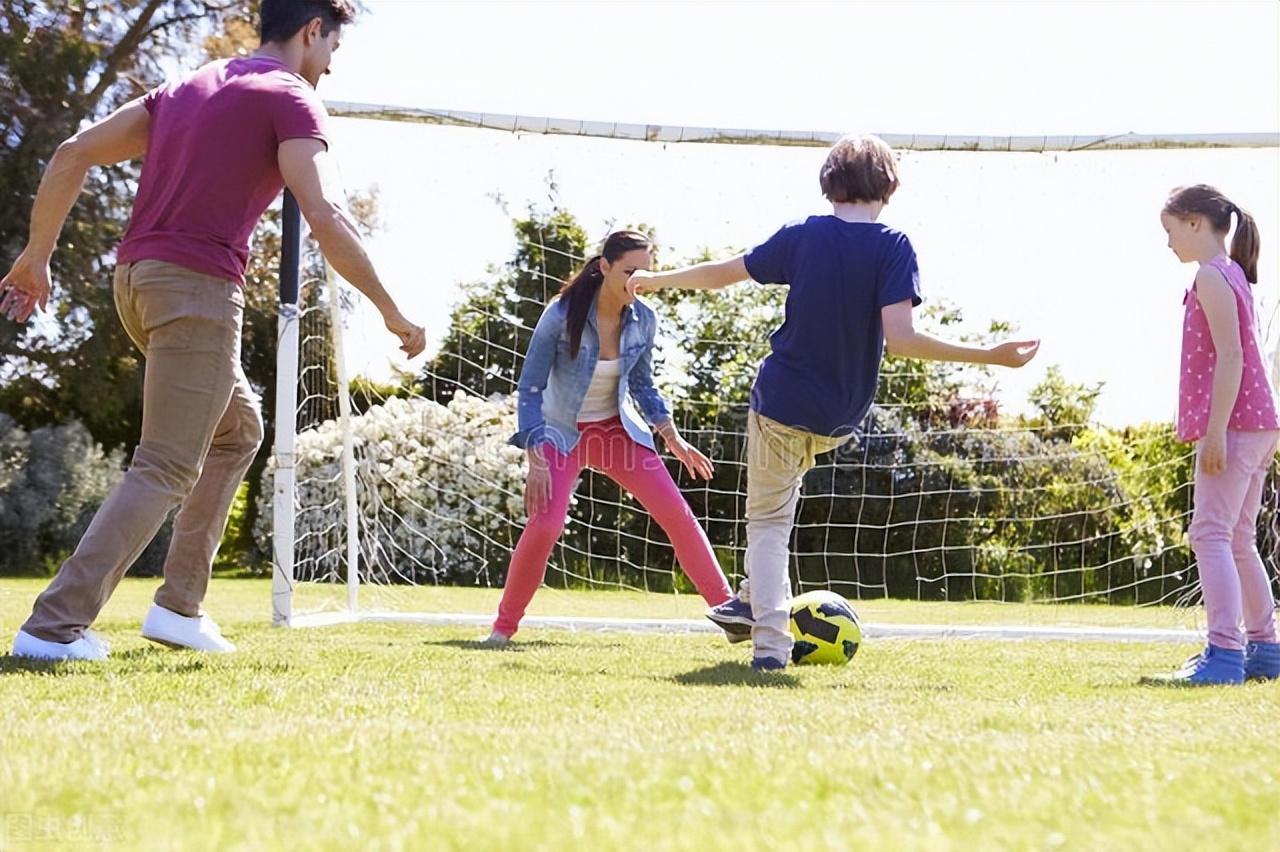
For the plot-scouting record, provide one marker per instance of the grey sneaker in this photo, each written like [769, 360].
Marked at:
[733, 617]
[496, 641]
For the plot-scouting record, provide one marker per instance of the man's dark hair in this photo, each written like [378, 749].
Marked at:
[280, 20]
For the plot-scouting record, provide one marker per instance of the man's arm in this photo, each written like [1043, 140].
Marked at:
[309, 173]
[119, 137]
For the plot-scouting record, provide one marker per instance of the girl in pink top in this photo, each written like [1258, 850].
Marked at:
[1226, 405]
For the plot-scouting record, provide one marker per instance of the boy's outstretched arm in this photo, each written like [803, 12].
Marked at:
[902, 339]
[708, 275]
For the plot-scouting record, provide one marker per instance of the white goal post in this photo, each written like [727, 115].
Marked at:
[360, 552]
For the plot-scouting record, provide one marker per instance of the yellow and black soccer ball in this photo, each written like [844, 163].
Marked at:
[825, 629]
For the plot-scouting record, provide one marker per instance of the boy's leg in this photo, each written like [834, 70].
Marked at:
[1257, 602]
[188, 324]
[529, 559]
[641, 471]
[1219, 502]
[777, 458]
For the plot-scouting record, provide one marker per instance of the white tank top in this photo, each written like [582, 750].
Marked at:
[601, 401]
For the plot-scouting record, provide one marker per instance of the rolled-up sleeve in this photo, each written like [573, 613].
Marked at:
[533, 379]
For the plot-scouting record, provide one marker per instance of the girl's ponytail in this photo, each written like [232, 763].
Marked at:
[1204, 200]
[1245, 244]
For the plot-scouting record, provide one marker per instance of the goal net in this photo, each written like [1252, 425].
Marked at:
[992, 500]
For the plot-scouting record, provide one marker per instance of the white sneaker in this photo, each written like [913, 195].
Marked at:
[179, 631]
[88, 647]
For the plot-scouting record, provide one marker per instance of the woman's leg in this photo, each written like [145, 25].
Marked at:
[641, 471]
[529, 559]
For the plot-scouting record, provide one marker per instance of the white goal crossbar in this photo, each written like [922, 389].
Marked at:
[799, 138]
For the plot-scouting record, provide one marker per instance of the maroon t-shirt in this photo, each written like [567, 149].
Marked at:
[211, 167]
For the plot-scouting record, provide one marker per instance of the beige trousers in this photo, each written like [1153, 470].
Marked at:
[778, 457]
[201, 427]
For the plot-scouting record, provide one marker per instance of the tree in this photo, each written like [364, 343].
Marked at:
[492, 328]
[63, 62]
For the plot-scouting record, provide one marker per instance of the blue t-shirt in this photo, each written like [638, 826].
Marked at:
[822, 372]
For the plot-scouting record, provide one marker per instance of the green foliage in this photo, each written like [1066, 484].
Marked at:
[492, 328]
[51, 482]
[1065, 408]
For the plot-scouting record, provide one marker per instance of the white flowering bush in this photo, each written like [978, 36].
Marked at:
[439, 491]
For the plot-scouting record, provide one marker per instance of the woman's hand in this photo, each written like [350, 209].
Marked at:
[537, 487]
[698, 465]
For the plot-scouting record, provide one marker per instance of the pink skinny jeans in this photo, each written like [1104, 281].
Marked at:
[1224, 538]
[605, 446]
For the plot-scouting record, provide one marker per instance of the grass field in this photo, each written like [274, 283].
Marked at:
[393, 736]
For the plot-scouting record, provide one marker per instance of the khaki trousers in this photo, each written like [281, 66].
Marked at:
[201, 427]
[778, 457]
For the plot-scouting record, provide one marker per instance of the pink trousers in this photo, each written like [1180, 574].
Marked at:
[1224, 538]
[605, 446]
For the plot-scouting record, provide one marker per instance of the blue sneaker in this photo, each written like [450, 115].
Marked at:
[734, 618]
[767, 664]
[1213, 667]
[1262, 661]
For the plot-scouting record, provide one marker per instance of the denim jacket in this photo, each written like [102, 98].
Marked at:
[551, 418]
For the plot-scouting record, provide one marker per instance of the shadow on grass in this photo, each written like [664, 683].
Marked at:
[514, 647]
[736, 674]
[138, 659]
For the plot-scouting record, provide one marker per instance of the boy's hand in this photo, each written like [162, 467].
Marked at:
[639, 283]
[1014, 353]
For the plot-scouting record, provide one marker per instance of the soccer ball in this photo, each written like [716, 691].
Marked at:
[825, 628]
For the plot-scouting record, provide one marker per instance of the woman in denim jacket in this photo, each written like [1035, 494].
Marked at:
[587, 400]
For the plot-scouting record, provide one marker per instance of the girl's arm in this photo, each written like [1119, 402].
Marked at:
[708, 275]
[1218, 301]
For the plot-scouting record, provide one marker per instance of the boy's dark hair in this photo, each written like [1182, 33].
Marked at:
[1201, 199]
[859, 168]
[280, 20]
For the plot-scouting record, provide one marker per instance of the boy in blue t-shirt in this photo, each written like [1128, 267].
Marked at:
[853, 283]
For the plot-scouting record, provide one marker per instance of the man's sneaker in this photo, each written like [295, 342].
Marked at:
[1214, 667]
[496, 640]
[88, 647]
[767, 664]
[1262, 661]
[199, 633]
[733, 617]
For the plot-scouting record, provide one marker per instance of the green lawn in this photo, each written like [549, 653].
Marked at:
[394, 736]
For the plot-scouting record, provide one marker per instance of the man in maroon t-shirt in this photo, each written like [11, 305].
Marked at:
[219, 147]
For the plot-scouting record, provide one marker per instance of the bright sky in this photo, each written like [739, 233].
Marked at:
[1068, 247]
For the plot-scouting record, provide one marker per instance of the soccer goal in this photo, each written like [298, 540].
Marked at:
[967, 504]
